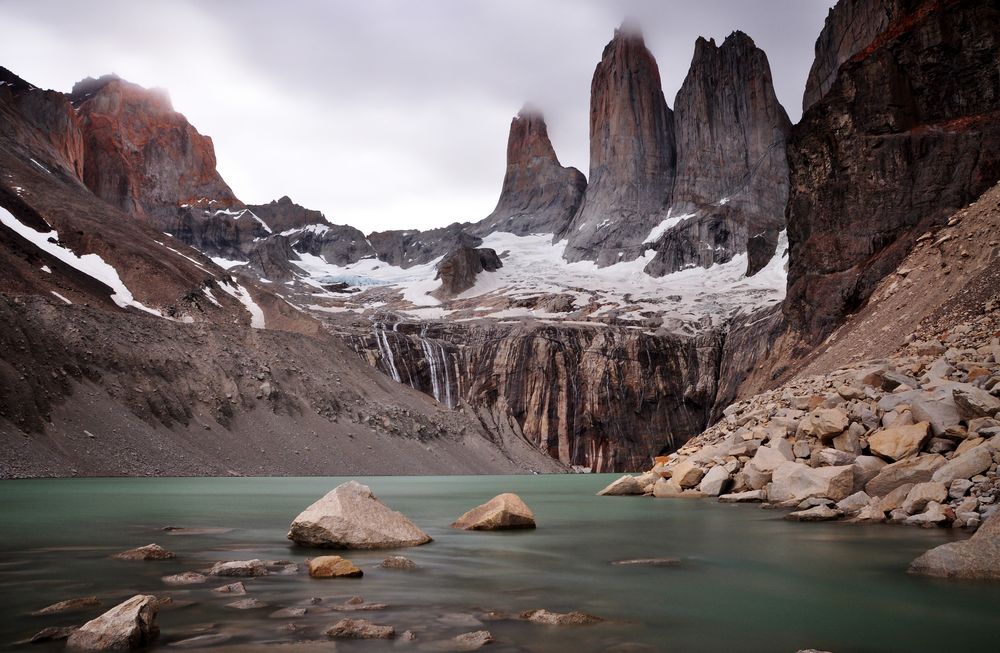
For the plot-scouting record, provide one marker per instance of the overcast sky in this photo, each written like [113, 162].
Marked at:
[384, 114]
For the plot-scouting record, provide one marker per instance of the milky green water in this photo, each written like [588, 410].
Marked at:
[748, 581]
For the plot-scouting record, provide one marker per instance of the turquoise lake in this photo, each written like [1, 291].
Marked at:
[747, 581]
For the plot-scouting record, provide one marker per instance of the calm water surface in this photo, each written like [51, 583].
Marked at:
[748, 581]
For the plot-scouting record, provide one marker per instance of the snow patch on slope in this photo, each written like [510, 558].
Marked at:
[90, 264]
[230, 287]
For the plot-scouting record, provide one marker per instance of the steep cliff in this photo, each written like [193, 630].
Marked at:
[908, 131]
[732, 176]
[141, 156]
[599, 397]
[539, 195]
[632, 157]
[850, 27]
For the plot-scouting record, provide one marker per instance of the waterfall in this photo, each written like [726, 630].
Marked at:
[437, 363]
[386, 351]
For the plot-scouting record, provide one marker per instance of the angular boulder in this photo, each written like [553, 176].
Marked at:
[966, 465]
[687, 474]
[973, 402]
[333, 567]
[922, 494]
[975, 558]
[750, 496]
[899, 442]
[936, 407]
[351, 517]
[825, 423]
[817, 513]
[910, 470]
[127, 626]
[239, 568]
[627, 485]
[715, 481]
[503, 512]
[796, 482]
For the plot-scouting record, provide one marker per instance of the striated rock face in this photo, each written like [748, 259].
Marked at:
[732, 176]
[539, 195]
[632, 156]
[606, 398]
[459, 269]
[850, 27]
[141, 156]
[51, 114]
[908, 132]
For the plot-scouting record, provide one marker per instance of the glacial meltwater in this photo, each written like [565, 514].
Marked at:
[747, 580]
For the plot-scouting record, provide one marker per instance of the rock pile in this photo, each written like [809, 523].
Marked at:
[913, 439]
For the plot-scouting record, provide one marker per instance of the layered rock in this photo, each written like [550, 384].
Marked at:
[632, 157]
[539, 195]
[141, 156]
[907, 132]
[732, 176]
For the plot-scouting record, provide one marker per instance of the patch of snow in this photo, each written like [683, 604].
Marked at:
[60, 296]
[226, 263]
[211, 297]
[40, 165]
[333, 309]
[230, 287]
[90, 264]
[414, 282]
[668, 223]
[46, 269]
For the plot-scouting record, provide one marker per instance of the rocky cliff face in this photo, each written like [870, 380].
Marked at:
[408, 248]
[632, 155]
[284, 214]
[908, 132]
[539, 195]
[458, 270]
[850, 27]
[598, 397]
[732, 176]
[140, 155]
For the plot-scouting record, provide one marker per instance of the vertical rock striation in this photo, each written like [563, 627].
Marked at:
[539, 195]
[732, 175]
[631, 155]
[908, 131]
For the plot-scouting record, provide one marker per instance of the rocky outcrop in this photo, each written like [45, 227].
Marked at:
[408, 248]
[335, 243]
[125, 627]
[351, 517]
[732, 176]
[539, 195]
[458, 269]
[907, 133]
[284, 214]
[632, 155]
[140, 155]
[850, 27]
[503, 512]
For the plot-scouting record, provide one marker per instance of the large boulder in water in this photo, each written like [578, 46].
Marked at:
[975, 558]
[503, 512]
[129, 625]
[351, 517]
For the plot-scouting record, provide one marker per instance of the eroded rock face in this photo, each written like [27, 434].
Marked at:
[127, 626]
[351, 517]
[503, 512]
[140, 155]
[632, 156]
[850, 27]
[459, 269]
[732, 174]
[907, 133]
[539, 195]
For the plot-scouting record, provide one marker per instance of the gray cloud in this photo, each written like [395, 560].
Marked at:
[384, 113]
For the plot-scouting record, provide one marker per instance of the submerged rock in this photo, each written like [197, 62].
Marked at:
[128, 625]
[359, 629]
[69, 605]
[351, 517]
[239, 568]
[333, 567]
[247, 604]
[232, 588]
[503, 512]
[467, 641]
[817, 513]
[52, 634]
[647, 562]
[560, 618]
[398, 562]
[186, 578]
[148, 552]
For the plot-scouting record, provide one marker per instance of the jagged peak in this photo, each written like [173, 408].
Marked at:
[629, 29]
[739, 38]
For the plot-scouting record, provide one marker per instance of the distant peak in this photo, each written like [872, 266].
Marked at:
[88, 87]
[739, 37]
[629, 29]
[529, 111]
